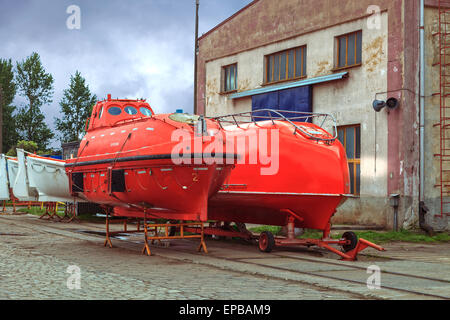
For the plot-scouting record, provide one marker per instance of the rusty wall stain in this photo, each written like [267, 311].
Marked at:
[212, 87]
[244, 85]
[374, 53]
[323, 67]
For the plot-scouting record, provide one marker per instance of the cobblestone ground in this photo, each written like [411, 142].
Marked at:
[33, 265]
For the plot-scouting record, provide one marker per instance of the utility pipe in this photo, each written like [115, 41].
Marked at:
[422, 101]
[197, 4]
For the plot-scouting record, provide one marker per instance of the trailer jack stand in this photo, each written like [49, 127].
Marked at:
[352, 255]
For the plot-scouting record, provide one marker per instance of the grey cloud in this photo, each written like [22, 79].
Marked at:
[131, 49]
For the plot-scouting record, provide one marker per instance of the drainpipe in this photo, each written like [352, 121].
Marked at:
[422, 101]
[422, 208]
[197, 4]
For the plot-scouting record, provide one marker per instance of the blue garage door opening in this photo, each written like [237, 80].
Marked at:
[295, 99]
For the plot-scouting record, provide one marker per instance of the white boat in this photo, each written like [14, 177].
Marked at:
[4, 184]
[21, 188]
[13, 167]
[49, 178]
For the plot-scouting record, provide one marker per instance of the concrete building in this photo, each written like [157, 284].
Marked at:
[337, 57]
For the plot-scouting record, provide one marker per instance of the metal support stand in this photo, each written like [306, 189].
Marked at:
[70, 213]
[125, 222]
[152, 233]
[51, 211]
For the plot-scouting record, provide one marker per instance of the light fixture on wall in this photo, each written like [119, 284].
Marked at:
[391, 103]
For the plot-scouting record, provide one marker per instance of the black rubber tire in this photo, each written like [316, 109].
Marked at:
[349, 235]
[266, 242]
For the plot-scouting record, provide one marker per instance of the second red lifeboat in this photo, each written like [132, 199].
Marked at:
[130, 160]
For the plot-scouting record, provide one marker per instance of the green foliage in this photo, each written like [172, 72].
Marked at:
[275, 230]
[36, 86]
[402, 236]
[29, 146]
[8, 91]
[76, 107]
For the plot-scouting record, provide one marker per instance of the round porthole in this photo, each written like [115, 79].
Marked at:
[130, 110]
[114, 111]
[145, 111]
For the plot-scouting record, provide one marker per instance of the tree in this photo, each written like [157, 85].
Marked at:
[7, 93]
[29, 146]
[37, 87]
[76, 107]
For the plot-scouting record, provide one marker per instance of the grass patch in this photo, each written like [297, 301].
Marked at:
[402, 236]
[37, 211]
[372, 236]
[275, 230]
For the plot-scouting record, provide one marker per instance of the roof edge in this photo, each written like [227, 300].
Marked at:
[228, 19]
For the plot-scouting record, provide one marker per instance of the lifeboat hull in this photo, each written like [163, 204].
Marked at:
[21, 188]
[13, 168]
[126, 162]
[160, 190]
[49, 177]
[4, 186]
[311, 180]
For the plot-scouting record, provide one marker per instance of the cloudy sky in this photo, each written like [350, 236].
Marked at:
[129, 48]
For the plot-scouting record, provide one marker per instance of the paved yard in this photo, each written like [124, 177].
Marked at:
[35, 256]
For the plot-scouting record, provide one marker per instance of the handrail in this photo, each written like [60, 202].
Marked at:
[298, 116]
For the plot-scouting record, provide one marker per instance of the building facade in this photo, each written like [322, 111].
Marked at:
[337, 57]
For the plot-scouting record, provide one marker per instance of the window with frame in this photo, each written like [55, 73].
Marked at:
[350, 137]
[285, 65]
[229, 74]
[349, 50]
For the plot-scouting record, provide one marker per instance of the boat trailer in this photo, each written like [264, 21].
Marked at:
[349, 242]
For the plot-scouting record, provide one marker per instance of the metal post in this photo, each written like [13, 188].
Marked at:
[197, 4]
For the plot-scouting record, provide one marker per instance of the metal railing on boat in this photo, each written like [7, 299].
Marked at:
[291, 117]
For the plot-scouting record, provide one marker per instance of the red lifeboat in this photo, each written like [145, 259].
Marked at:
[305, 173]
[127, 161]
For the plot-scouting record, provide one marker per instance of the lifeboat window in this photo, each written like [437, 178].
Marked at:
[145, 111]
[77, 182]
[118, 181]
[130, 110]
[114, 111]
[100, 113]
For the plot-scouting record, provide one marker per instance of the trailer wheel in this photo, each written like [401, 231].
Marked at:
[266, 241]
[353, 238]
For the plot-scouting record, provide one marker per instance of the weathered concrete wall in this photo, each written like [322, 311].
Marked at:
[266, 24]
[350, 101]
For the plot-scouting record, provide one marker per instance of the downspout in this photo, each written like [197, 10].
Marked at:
[422, 208]
[197, 4]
